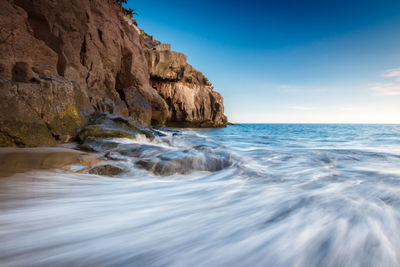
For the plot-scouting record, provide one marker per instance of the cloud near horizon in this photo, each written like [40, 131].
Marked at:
[389, 88]
[386, 89]
[391, 73]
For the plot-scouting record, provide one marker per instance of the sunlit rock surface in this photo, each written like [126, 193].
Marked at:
[189, 94]
[61, 61]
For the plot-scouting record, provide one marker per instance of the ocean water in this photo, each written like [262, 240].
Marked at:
[246, 195]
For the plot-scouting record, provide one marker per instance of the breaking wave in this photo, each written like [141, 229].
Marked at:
[246, 195]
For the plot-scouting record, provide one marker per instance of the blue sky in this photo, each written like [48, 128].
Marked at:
[289, 61]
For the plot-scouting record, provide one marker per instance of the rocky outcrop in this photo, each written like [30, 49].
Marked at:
[42, 113]
[190, 96]
[61, 61]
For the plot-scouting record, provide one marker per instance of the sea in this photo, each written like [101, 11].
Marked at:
[245, 195]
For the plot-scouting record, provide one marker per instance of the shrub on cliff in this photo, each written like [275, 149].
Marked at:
[129, 12]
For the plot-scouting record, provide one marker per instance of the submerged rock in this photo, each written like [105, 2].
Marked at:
[106, 170]
[113, 155]
[183, 162]
[92, 144]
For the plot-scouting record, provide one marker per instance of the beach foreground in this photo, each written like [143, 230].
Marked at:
[246, 195]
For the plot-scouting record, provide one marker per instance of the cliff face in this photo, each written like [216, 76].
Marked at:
[189, 94]
[63, 60]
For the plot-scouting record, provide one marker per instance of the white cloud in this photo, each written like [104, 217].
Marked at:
[392, 73]
[386, 89]
[389, 88]
[302, 108]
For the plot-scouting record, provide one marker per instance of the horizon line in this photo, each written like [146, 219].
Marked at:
[372, 123]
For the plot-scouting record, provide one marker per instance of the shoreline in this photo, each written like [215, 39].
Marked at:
[63, 157]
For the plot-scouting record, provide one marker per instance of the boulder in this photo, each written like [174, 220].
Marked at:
[106, 170]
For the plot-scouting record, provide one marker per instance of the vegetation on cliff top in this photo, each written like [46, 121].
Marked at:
[127, 11]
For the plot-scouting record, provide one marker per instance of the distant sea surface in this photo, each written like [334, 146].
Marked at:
[245, 195]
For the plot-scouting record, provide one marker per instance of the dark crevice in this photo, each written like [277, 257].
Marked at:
[83, 52]
[61, 64]
[155, 78]
[100, 35]
[124, 77]
[55, 136]
[34, 80]
[121, 94]
[16, 140]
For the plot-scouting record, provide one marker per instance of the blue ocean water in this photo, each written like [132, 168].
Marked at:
[245, 195]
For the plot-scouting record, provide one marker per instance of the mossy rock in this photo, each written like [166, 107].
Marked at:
[97, 131]
[65, 122]
[107, 170]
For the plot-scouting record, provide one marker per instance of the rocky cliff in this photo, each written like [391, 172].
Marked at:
[63, 60]
[189, 94]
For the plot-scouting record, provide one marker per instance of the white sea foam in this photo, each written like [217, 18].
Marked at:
[282, 196]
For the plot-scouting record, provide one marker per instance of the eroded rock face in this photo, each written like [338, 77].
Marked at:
[63, 60]
[190, 96]
[41, 114]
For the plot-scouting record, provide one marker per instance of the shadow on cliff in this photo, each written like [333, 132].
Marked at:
[61, 61]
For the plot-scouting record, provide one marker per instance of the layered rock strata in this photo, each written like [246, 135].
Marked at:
[190, 96]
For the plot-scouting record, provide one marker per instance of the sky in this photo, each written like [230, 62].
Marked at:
[287, 61]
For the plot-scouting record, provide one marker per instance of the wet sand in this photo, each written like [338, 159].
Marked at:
[20, 160]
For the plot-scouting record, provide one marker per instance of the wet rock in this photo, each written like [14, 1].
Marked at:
[158, 133]
[106, 170]
[92, 144]
[97, 131]
[113, 155]
[150, 134]
[104, 125]
[183, 162]
[141, 150]
[109, 121]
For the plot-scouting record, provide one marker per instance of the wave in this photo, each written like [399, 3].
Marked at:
[214, 198]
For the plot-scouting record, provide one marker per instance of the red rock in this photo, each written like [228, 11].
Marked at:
[189, 94]
[61, 61]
